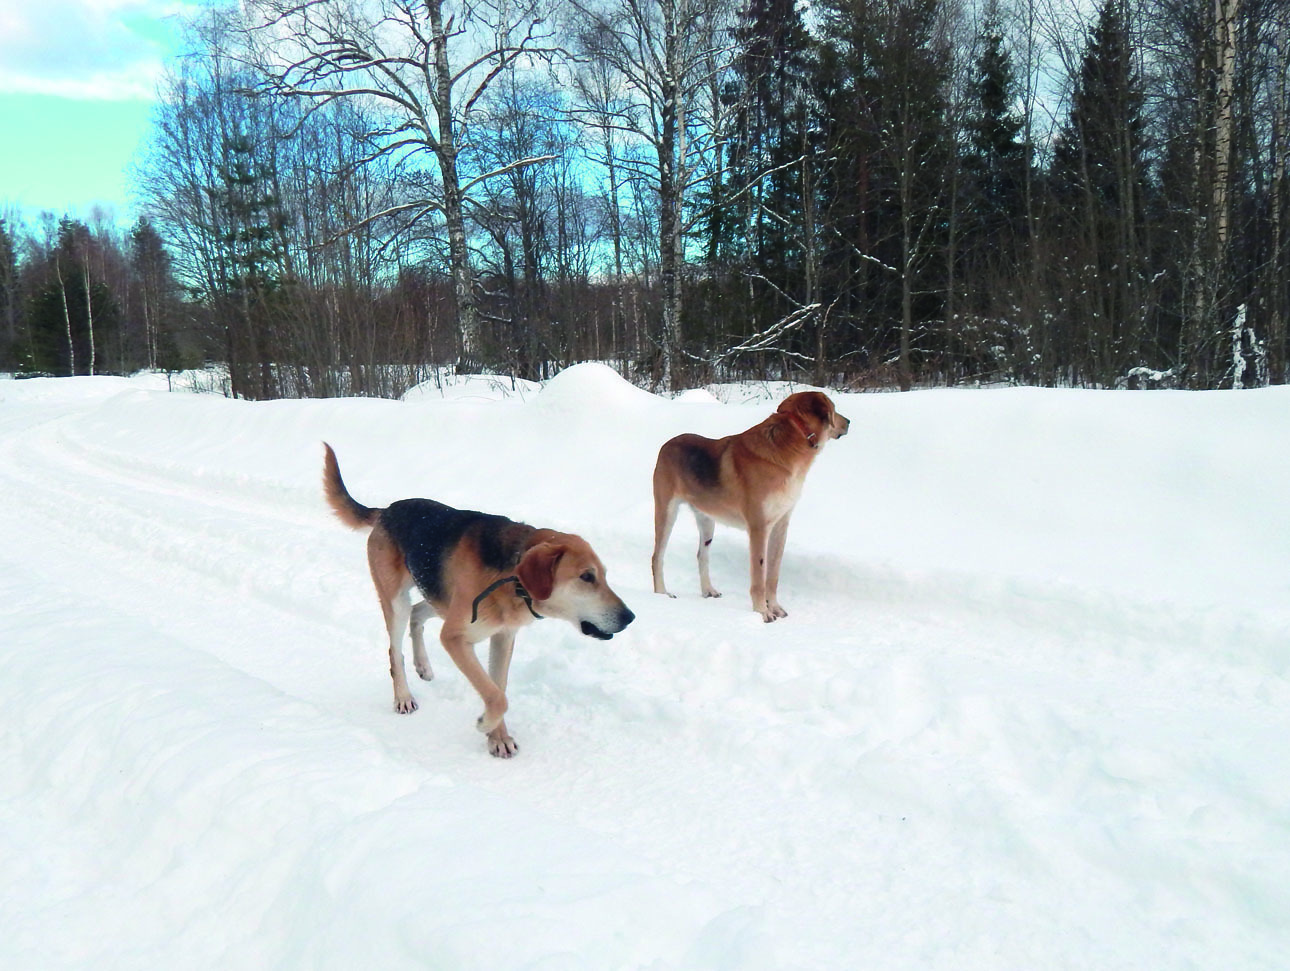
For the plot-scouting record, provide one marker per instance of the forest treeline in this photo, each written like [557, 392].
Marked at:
[336, 196]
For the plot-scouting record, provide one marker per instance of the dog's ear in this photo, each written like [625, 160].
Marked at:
[817, 405]
[537, 569]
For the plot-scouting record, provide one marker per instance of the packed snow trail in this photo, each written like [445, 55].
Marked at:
[1027, 708]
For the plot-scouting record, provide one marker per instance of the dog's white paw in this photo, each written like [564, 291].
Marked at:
[425, 672]
[712, 592]
[772, 612]
[405, 706]
[501, 745]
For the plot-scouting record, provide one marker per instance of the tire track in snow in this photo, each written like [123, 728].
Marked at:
[592, 714]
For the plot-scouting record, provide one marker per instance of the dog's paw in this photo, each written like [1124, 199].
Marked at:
[425, 672]
[405, 706]
[712, 592]
[772, 612]
[501, 745]
[492, 717]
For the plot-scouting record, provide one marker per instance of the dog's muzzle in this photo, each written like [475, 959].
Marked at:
[624, 618]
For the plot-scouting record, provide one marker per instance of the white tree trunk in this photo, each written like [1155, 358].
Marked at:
[67, 317]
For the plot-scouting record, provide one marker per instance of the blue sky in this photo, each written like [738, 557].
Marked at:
[77, 83]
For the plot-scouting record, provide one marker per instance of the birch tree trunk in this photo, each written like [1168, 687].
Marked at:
[89, 308]
[670, 241]
[1276, 283]
[1213, 174]
[463, 277]
[67, 317]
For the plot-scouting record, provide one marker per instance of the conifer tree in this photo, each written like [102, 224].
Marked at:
[8, 298]
[992, 197]
[1099, 178]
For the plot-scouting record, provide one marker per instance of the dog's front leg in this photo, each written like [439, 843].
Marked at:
[758, 537]
[775, 556]
[462, 653]
[500, 648]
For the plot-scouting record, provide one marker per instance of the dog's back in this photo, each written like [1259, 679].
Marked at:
[428, 532]
[689, 465]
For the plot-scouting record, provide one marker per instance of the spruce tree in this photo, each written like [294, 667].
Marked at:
[8, 299]
[766, 230]
[1100, 187]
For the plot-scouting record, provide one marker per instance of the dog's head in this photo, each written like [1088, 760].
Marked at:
[814, 409]
[566, 579]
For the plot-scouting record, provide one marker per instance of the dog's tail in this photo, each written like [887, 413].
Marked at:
[351, 512]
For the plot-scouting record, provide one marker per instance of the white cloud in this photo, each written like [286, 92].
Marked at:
[94, 49]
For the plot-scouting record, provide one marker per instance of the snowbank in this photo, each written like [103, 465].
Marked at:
[1027, 709]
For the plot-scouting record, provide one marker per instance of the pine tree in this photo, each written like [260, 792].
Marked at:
[1099, 179]
[249, 240]
[772, 165]
[883, 77]
[997, 158]
[992, 195]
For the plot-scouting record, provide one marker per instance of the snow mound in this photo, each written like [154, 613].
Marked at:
[594, 384]
[697, 396]
[62, 390]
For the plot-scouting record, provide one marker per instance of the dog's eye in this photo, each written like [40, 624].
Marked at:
[588, 577]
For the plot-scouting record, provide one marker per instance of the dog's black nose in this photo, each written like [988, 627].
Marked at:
[625, 617]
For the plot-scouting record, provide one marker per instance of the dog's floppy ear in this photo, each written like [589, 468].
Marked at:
[537, 569]
[815, 404]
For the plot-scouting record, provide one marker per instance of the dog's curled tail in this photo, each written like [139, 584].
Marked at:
[351, 512]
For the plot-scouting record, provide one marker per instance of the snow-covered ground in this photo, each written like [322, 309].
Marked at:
[1029, 709]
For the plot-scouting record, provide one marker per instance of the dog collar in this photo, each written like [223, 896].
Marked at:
[801, 427]
[519, 592]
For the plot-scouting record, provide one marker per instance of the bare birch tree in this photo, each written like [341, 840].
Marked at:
[427, 63]
[663, 53]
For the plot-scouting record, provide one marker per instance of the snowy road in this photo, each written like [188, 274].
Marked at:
[1028, 709]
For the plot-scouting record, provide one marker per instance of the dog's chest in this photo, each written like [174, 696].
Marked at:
[780, 502]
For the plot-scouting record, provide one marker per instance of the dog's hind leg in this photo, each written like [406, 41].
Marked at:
[397, 612]
[420, 613]
[707, 527]
[392, 580]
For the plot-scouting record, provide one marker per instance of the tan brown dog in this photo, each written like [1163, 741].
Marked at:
[486, 576]
[750, 480]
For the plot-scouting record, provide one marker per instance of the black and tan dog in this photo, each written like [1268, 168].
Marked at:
[751, 481]
[486, 576]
